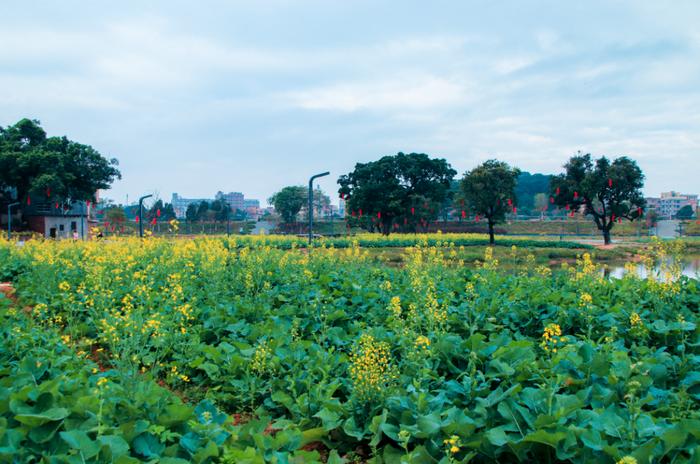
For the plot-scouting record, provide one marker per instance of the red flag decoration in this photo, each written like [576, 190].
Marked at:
[477, 218]
[413, 210]
[639, 211]
[379, 215]
[48, 191]
[558, 190]
[29, 200]
[153, 222]
[575, 195]
[464, 214]
[612, 218]
[360, 212]
[354, 214]
[137, 219]
[56, 205]
[609, 182]
[515, 210]
[551, 199]
[567, 207]
[158, 212]
[510, 202]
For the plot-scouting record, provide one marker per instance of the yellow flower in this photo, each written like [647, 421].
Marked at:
[64, 286]
[101, 381]
[585, 300]
[627, 460]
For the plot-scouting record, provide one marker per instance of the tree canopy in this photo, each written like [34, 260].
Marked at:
[51, 167]
[289, 201]
[410, 187]
[607, 191]
[686, 212]
[527, 188]
[489, 190]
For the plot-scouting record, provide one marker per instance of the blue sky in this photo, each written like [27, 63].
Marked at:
[196, 97]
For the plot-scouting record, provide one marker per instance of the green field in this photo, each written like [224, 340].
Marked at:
[254, 350]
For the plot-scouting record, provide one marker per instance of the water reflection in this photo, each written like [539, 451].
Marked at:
[689, 267]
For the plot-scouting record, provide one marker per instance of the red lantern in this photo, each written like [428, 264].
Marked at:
[360, 212]
[87, 203]
[510, 202]
[515, 210]
[639, 211]
[558, 190]
[48, 191]
[137, 219]
[477, 218]
[551, 200]
[568, 208]
[379, 215]
[153, 222]
[609, 182]
[396, 226]
[405, 221]
[354, 214]
[612, 218]
[464, 214]
[619, 220]
[29, 200]
[158, 212]
[56, 205]
[413, 210]
[575, 195]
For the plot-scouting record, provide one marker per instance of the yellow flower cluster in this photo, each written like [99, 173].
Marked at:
[64, 286]
[452, 445]
[585, 300]
[490, 263]
[635, 320]
[422, 342]
[260, 363]
[371, 369]
[627, 460]
[552, 338]
[584, 267]
[395, 306]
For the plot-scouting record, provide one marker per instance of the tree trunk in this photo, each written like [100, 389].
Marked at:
[491, 238]
[606, 235]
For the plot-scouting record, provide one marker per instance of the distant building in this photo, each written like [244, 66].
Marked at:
[235, 200]
[180, 204]
[341, 207]
[252, 209]
[55, 220]
[671, 202]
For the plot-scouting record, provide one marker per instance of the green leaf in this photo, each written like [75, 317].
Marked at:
[79, 440]
[35, 420]
[116, 444]
[546, 438]
[329, 419]
[148, 446]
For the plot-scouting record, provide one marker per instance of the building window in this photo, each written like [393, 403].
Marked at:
[61, 227]
[73, 226]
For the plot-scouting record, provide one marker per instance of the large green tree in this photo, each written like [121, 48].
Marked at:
[410, 186]
[289, 201]
[607, 191]
[51, 167]
[489, 190]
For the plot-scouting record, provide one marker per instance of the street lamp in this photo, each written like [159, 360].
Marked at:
[311, 205]
[141, 213]
[9, 219]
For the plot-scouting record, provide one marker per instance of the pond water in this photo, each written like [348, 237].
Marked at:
[690, 267]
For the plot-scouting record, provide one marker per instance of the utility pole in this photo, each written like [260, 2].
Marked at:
[311, 204]
[141, 214]
[9, 219]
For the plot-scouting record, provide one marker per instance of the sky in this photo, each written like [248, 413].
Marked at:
[196, 97]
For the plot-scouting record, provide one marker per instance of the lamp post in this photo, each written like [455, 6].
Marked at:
[9, 219]
[141, 213]
[311, 204]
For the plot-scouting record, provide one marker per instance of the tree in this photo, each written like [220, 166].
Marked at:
[51, 167]
[541, 203]
[685, 212]
[528, 186]
[289, 201]
[115, 215]
[604, 190]
[490, 191]
[406, 186]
